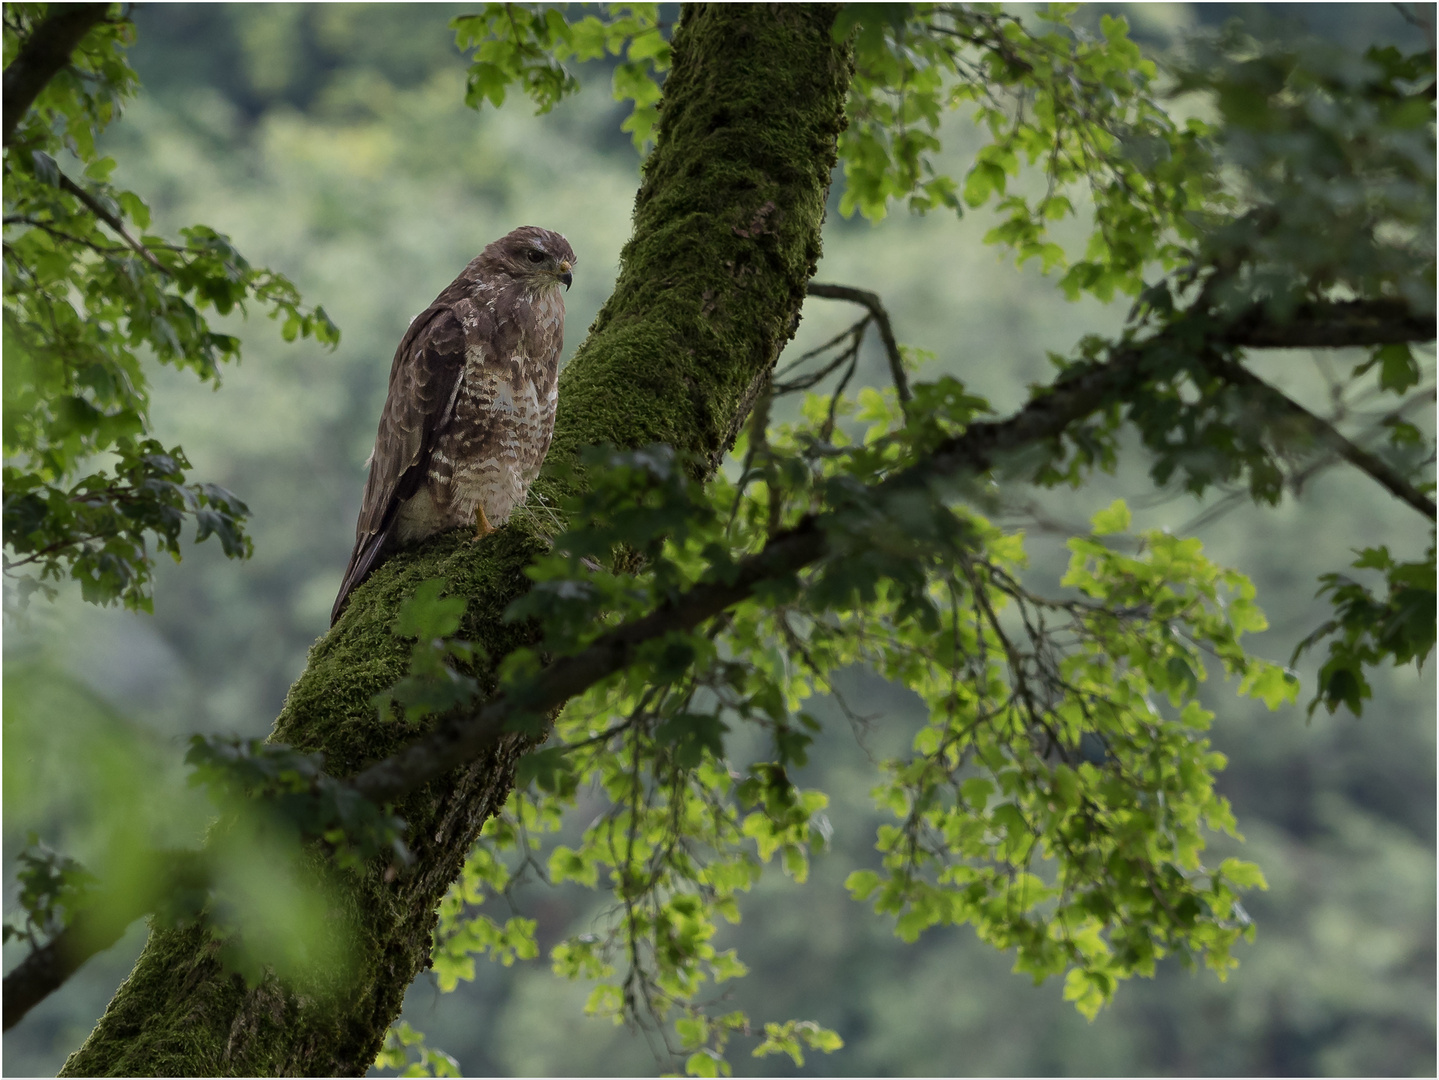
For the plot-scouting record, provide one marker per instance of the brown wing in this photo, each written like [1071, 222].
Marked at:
[424, 379]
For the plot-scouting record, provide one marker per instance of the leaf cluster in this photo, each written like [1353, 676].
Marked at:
[1082, 110]
[1330, 159]
[528, 44]
[402, 1041]
[99, 529]
[296, 798]
[1058, 800]
[433, 683]
[1368, 629]
[53, 888]
[89, 297]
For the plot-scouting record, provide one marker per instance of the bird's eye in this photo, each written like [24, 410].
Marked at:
[535, 256]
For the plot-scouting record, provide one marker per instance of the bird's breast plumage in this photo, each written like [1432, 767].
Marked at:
[471, 404]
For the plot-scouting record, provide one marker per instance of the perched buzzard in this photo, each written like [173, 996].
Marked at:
[471, 405]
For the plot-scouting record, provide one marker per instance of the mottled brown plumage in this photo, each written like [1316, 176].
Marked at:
[471, 405]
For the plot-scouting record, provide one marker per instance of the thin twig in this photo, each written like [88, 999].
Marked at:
[804, 382]
[111, 220]
[872, 303]
[817, 350]
[827, 430]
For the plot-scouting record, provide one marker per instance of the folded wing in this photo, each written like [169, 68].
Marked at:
[424, 380]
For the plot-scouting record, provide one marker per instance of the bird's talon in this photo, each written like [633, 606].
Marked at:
[483, 527]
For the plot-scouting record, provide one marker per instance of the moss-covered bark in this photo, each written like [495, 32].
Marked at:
[727, 233]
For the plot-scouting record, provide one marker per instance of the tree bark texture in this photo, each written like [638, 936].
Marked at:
[726, 235]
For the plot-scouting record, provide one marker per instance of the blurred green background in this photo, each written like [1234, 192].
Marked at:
[331, 143]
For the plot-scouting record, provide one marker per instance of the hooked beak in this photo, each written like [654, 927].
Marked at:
[565, 275]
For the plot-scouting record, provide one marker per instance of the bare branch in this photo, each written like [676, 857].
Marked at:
[848, 332]
[44, 53]
[871, 302]
[803, 382]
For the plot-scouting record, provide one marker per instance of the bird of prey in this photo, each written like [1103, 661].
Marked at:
[471, 404]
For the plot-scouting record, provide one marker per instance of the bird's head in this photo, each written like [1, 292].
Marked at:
[535, 257]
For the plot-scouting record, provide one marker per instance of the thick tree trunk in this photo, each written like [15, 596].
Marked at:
[727, 233]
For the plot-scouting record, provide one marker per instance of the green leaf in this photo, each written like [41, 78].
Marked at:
[547, 769]
[427, 614]
[1243, 875]
[702, 1063]
[1398, 370]
[1113, 519]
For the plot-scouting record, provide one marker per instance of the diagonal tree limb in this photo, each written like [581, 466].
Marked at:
[1295, 481]
[871, 302]
[1325, 433]
[976, 450]
[44, 53]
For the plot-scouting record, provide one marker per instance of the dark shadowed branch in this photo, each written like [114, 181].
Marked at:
[96, 208]
[1325, 433]
[1334, 325]
[44, 53]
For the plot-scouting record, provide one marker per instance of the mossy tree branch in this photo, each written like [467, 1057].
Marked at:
[727, 233]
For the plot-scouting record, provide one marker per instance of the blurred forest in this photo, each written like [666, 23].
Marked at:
[332, 143]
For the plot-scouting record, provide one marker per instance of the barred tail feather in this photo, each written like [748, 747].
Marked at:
[362, 561]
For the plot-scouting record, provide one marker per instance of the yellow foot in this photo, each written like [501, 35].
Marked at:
[482, 523]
